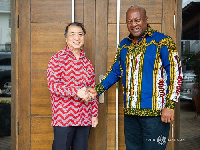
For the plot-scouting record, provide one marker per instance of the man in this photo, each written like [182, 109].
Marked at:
[150, 68]
[68, 73]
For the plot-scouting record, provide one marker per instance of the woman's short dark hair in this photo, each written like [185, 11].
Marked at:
[74, 24]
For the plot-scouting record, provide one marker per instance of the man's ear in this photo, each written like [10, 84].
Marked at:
[146, 19]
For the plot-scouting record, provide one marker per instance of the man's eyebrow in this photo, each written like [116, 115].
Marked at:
[76, 32]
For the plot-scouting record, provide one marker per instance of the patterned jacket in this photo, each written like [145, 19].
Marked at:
[65, 75]
[151, 74]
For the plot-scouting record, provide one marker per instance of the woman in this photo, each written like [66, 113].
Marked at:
[69, 72]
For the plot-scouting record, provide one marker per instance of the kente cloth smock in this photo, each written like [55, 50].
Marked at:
[65, 75]
[151, 74]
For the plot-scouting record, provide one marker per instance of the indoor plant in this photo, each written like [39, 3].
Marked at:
[192, 62]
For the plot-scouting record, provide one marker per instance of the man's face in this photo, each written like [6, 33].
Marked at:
[136, 22]
[75, 37]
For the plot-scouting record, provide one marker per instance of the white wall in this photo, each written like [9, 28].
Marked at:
[5, 31]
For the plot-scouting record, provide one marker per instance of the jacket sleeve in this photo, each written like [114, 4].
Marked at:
[111, 77]
[54, 79]
[172, 65]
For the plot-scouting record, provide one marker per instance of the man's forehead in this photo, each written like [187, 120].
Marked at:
[75, 29]
[135, 15]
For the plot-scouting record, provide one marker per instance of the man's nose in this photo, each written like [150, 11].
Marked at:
[134, 23]
[76, 37]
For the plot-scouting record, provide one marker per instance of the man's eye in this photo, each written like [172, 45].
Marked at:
[137, 20]
[129, 22]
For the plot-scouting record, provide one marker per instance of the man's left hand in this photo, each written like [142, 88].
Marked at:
[167, 115]
[94, 121]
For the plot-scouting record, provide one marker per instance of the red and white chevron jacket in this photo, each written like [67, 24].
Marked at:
[65, 75]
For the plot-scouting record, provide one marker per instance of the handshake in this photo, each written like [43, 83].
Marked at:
[86, 93]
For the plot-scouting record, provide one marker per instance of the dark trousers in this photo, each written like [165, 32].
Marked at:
[145, 133]
[76, 137]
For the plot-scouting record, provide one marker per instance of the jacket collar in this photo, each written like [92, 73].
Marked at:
[69, 51]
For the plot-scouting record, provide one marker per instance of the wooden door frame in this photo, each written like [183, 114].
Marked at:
[14, 75]
[95, 22]
[178, 46]
[20, 39]
[21, 65]
[20, 134]
[101, 68]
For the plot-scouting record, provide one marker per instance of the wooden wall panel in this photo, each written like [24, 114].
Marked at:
[41, 134]
[89, 47]
[41, 29]
[112, 44]
[46, 40]
[39, 86]
[51, 11]
[111, 108]
[89, 24]
[169, 9]
[121, 138]
[178, 46]
[153, 8]
[14, 75]
[40, 95]
[169, 27]
[111, 99]
[23, 90]
[47, 37]
[155, 21]
[40, 60]
[112, 11]
[79, 11]
[111, 132]
[100, 63]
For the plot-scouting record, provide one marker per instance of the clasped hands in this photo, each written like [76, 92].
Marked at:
[86, 93]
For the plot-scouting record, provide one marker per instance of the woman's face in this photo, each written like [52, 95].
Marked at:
[75, 37]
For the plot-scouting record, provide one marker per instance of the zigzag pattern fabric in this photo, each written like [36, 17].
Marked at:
[65, 75]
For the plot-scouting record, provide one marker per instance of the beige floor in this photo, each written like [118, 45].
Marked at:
[5, 143]
[189, 129]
